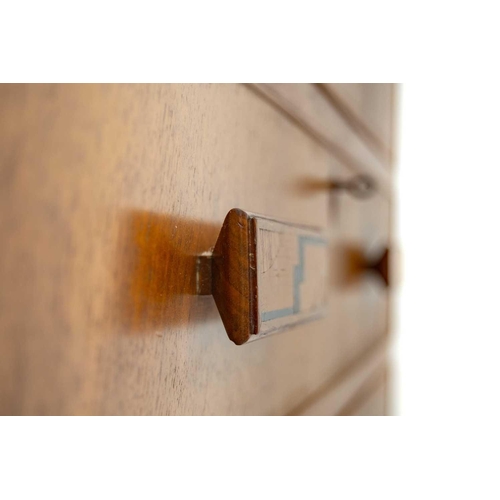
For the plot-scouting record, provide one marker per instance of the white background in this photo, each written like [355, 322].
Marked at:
[448, 224]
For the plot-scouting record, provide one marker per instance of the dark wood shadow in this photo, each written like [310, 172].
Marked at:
[156, 273]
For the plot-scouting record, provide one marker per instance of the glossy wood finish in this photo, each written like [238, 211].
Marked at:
[267, 275]
[107, 195]
[234, 280]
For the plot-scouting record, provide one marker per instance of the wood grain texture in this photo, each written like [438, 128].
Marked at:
[369, 109]
[311, 108]
[234, 280]
[355, 383]
[107, 195]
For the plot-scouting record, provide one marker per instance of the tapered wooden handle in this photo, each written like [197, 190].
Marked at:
[266, 275]
[356, 264]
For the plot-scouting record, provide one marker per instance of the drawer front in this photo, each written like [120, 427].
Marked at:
[369, 110]
[108, 194]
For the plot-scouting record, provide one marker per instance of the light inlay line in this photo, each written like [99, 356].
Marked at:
[298, 278]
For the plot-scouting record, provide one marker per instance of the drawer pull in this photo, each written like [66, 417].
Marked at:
[360, 186]
[357, 264]
[265, 275]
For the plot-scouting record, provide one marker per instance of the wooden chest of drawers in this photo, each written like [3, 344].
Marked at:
[109, 192]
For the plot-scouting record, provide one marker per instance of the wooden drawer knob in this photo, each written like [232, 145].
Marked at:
[356, 264]
[360, 186]
[265, 275]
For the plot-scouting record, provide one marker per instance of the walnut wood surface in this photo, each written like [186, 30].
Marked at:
[234, 280]
[107, 195]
